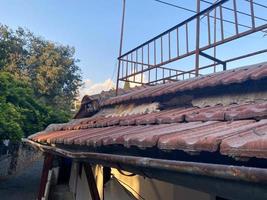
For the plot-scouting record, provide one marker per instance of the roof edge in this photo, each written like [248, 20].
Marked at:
[233, 173]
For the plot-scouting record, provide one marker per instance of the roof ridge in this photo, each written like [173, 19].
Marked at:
[259, 71]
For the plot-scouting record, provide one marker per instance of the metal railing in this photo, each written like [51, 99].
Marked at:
[146, 64]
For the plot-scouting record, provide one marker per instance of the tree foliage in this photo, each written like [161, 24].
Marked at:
[49, 68]
[20, 113]
[39, 80]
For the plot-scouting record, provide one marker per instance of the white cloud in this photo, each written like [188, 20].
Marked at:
[91, 88]
[138, 78]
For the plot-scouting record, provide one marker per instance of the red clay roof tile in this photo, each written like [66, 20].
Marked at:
[239, 75]
[233, 130]
[249, 143]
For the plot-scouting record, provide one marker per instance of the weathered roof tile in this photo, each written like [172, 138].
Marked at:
[235, 130]
[239, 75]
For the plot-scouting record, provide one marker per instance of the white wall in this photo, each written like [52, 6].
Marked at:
[152, 189]
[78, 184]
[138, 186]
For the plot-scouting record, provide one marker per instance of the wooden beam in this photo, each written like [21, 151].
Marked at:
[48, 161]
[91, 181]
[106, 177]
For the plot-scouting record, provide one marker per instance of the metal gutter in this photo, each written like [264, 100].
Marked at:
[229, 182]
[234, 173]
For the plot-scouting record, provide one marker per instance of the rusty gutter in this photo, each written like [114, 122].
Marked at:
[230, 172]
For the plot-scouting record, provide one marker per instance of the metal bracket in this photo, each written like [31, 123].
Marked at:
[223, 63]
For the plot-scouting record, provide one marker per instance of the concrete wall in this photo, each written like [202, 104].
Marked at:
[4, 165]
[26, 156]
[19, 160]
[123, 187]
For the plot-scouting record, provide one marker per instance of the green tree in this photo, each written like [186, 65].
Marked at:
[49, 68]
[20, 113]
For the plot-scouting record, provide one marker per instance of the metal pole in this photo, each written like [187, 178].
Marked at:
[197, 39]
[121, 40]
[215, 38]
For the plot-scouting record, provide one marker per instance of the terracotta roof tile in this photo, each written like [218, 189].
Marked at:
[244, 138]
[239, 75]
[232, 130]
[248, 143]
[187, 129]
[247, 111]
[206, 138]
[107, 139]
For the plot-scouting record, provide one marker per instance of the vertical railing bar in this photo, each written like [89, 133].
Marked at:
[177, 37]
[215, 37]
[132, 63]
[137, 60]
[148, 58]
[221, 19]
[236, 19]
[148, 55]
[163, 74]
[252, 14]
[169, 38]
[187, 45]
[208, 21]
[122, 67]
[142, 57]
[156, 73]
[155, 53]
[135, 64]
[121, 43]
[155, 59]
[197, 39]
[127, 66]
[161, 48]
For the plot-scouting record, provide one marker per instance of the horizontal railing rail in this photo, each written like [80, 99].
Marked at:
[175, 27]
[149, 62]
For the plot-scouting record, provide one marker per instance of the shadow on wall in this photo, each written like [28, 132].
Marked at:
[146, 188]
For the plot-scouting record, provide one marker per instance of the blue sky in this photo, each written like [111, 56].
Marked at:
[92, 27]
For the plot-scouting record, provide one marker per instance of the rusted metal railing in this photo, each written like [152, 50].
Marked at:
[149, 62]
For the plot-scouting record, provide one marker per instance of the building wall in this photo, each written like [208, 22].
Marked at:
[83, 192]
[146, 188]
[73, 178]
[26, 156]
[19, 160]
[78, 184]
[123, 187]
[4, 165]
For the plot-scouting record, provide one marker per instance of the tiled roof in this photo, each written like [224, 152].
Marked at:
[104, 95]
[235, 130]
[235, 76]
[232, 130]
